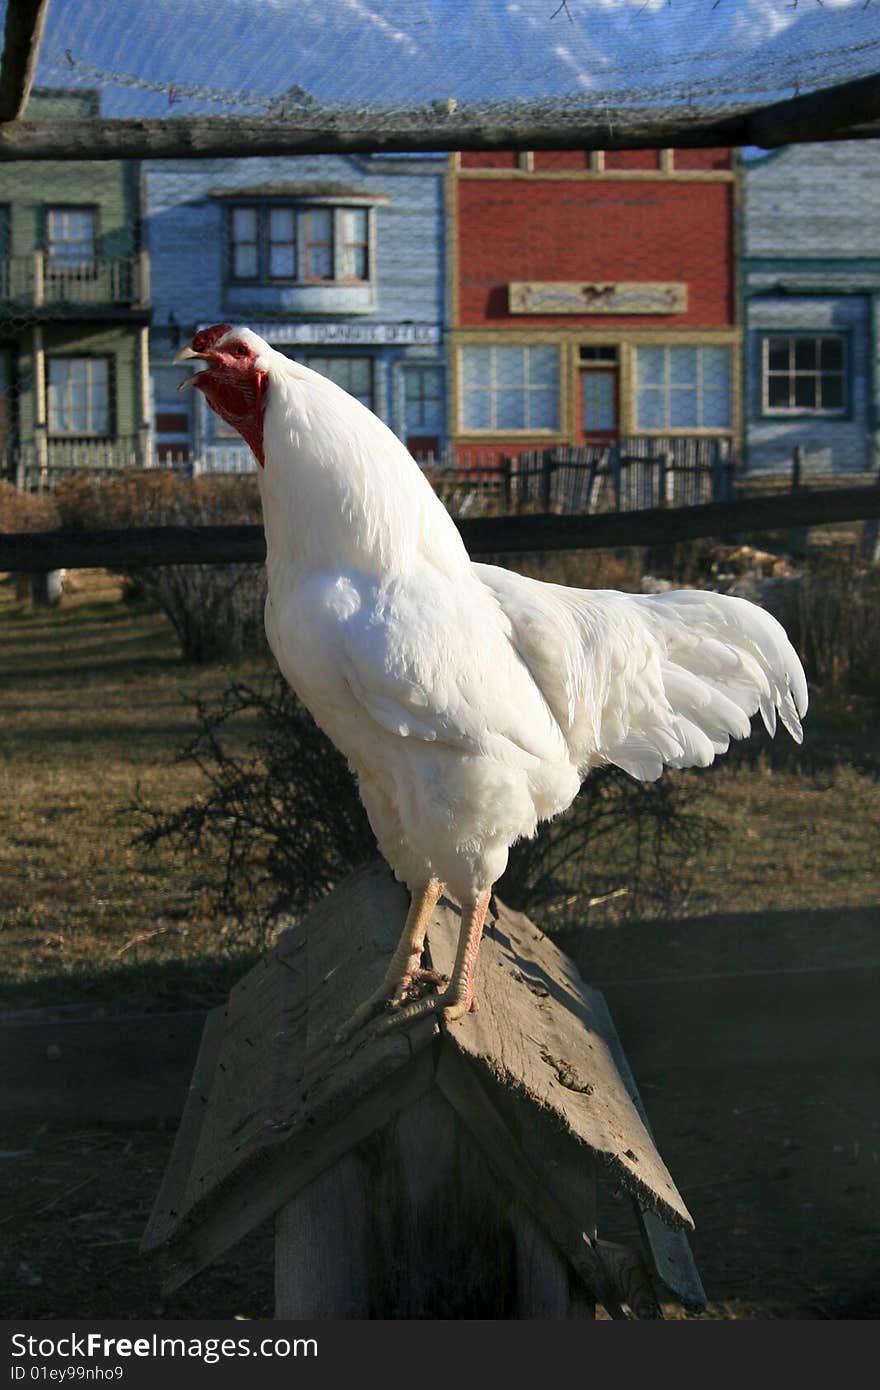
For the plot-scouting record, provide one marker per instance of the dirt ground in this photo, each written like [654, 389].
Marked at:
[760, 1082]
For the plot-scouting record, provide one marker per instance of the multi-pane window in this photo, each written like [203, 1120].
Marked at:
[299, 242]
[423, 399]
[78, 390]
[803, 373]
[71, 240]
[683, 388]
[353, 374]
[509, 388]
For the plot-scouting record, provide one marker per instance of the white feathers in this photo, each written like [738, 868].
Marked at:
[647, 681]
[470, 700]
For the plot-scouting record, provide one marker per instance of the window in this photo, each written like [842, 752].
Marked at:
[606, 355]
[805, 374]
[78, 395]
[353, 374]
[509, 388]
[423, 398]
[299, 243]
[71, 240]
[683, 388]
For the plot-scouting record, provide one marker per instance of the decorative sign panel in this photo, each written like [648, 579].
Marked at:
[350, 334]
[586, 297]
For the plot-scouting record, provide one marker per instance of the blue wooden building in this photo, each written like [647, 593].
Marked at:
[337, 261]
[811, 284]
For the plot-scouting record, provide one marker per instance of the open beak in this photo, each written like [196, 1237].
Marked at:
[182, 356]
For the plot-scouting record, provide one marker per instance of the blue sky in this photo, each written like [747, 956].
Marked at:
[171, 57]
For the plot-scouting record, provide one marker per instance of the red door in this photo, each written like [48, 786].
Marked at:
[598, 398]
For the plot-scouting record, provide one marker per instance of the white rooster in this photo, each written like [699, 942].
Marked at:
[469, 701]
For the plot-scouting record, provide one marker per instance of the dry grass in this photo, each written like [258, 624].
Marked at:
[96, 702]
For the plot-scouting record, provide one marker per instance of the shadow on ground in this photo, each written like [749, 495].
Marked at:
[753, 1039]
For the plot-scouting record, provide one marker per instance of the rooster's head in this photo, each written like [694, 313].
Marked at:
[232, 382]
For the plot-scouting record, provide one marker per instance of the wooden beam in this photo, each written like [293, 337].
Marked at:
[845, 111]
[22, 33]
[139, 547]
[350, 132]
[836, 113]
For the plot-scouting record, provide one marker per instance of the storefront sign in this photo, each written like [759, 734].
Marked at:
[351, 334]
[619, 297]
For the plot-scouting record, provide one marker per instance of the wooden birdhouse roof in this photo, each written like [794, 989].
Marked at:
[274, 1101]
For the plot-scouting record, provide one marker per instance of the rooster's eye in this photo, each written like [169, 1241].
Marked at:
[238, 350]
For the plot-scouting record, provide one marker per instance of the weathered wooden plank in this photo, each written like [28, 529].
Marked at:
[441, 1239]
[833, 113]
[321, 1246]
[530, 1078]
[22, 33]
[346, 131]
[137, 547]
[273, 1176]
[542, 1277]
[132, 548]
[462, 1087]
[539, 1034]
[280, 1083]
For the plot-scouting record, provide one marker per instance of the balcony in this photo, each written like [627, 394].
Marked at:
[103, 284]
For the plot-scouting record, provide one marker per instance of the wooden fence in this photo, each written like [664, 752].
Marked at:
[488, 535]
[634, 475]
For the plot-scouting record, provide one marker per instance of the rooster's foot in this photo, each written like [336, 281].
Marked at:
[403, 994]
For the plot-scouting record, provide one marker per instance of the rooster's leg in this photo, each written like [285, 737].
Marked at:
[458, 998]
[405, 969]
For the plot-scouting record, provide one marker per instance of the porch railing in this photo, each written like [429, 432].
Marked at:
[36, 281]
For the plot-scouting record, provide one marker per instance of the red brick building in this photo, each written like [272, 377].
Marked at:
[592, 297]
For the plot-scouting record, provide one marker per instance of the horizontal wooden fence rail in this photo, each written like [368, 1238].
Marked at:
[139, 546]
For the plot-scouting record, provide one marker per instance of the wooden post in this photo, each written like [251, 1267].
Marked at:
[143, 274]
[144, 396]
[719, 470]
[41, 443]
[39, 279]
[547, 465]
[505, 482]
[797, 536]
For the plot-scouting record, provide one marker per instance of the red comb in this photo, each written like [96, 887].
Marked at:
[207, 337]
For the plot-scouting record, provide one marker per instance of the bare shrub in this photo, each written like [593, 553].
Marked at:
[26, 511]
[215, 610]
[836, 623]
[282, 822]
